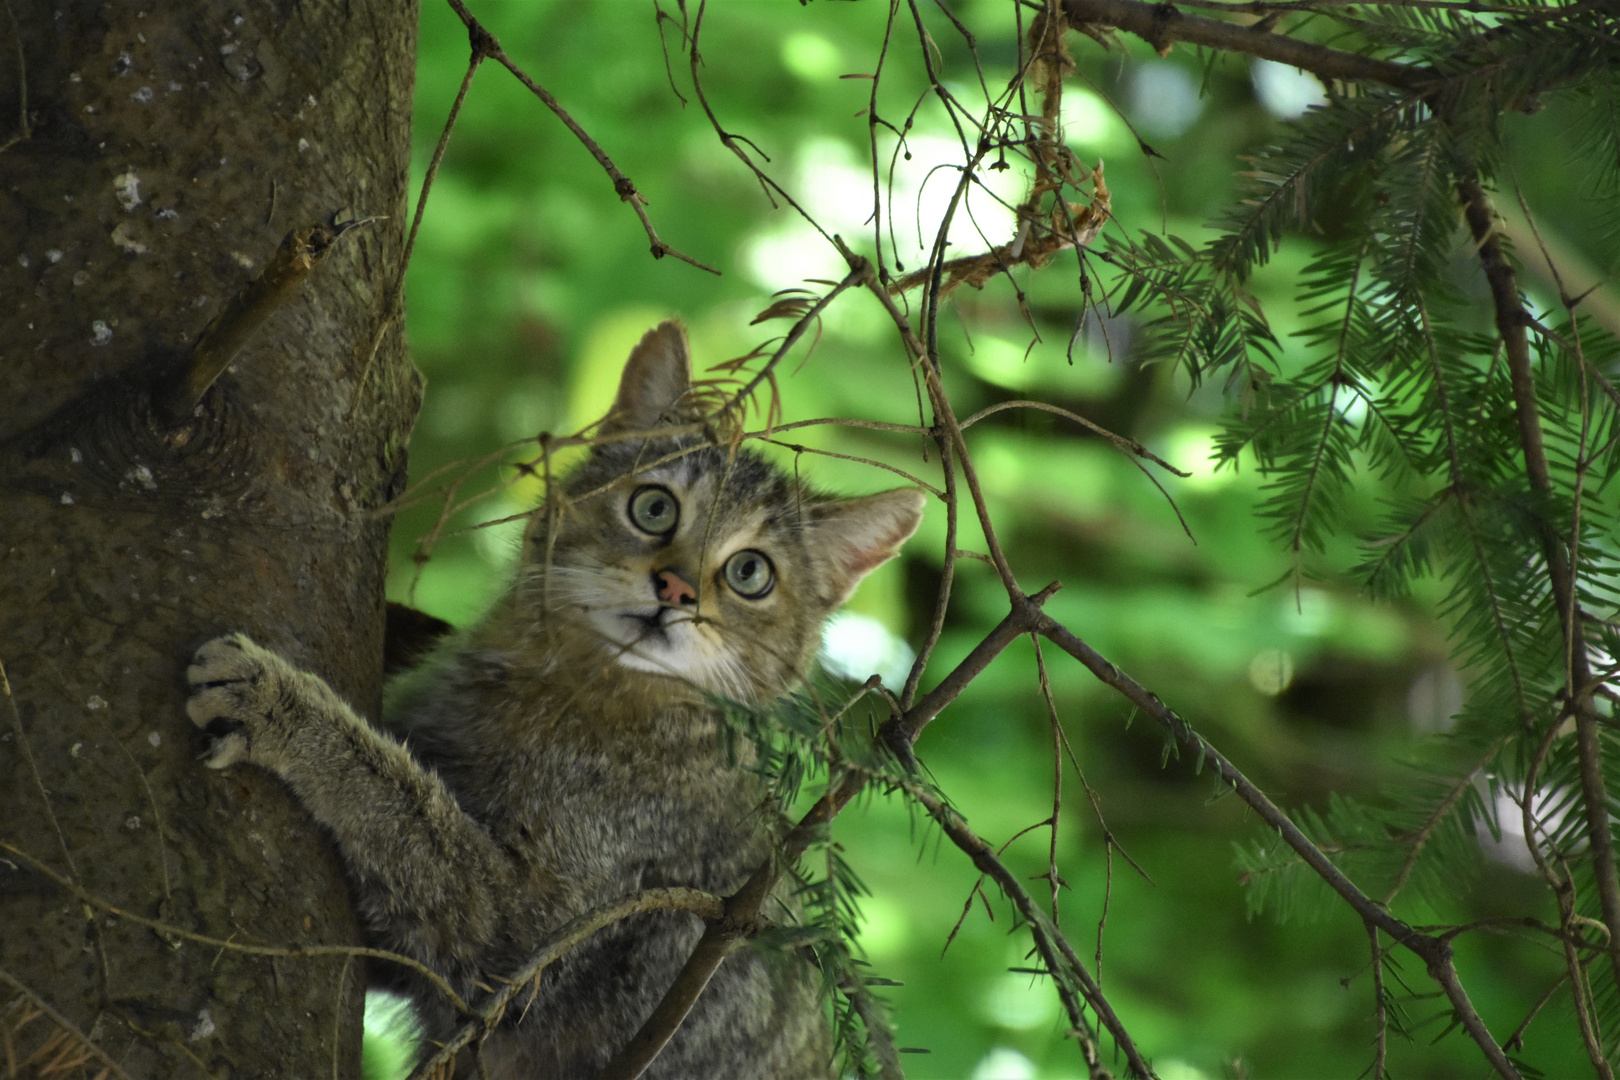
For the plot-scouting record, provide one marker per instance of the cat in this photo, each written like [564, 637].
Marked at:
[567, 750]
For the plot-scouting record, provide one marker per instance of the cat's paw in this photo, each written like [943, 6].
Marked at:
[234, 692]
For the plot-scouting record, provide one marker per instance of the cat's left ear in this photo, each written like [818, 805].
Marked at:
[656, 377]
[853, 537]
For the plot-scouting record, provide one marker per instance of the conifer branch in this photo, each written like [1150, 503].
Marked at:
[1419, 839]
[1511, 322]
[1458, 489]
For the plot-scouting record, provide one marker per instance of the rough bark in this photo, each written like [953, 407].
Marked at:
[167, 149]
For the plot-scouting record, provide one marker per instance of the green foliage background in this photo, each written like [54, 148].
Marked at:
[531, 281]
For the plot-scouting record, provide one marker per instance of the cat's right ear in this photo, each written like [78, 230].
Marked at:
[853, 537]
[656, 377]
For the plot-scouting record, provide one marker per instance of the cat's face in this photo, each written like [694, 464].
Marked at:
[710, 567]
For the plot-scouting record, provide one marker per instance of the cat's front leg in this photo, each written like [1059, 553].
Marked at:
[429, 879]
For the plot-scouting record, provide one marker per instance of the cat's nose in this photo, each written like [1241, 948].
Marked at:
[671, 589]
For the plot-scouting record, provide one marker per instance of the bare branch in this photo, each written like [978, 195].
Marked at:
[1161, 24]
[900, 732]
[224, 338]
[1470, 7]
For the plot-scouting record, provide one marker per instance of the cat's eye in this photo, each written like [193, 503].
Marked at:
[654, 510]
[749, 573]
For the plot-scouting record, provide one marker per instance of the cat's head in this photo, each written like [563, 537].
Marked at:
[694, 562]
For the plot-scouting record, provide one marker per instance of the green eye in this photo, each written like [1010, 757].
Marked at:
[749, 574]
[654, 510]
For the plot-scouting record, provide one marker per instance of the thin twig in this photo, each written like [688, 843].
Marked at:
[569, 936]
[947, 577]
[87, 897]
[479, 40]
[622, 184]
[840, 421]
[926, 362]
[800, 324]
[23, 131]
[33, 768]
[1435, 952]
[1380, 1015]
[337, 1017]
[1051, 944]
[1054, 880]
[799, 449]
[1516, 1040]
[157, 817]
[737, 922]
[1123, 442]
[1419, 839]
[1564, 896]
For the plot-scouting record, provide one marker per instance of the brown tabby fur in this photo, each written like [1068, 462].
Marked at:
[565, 753]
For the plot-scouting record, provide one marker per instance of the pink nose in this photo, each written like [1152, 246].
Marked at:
[671, 589]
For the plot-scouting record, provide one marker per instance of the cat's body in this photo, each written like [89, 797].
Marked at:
[564, 753]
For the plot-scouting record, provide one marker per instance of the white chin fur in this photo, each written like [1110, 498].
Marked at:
[683, 653]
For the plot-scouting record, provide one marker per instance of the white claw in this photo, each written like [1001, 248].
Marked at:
[227, 751]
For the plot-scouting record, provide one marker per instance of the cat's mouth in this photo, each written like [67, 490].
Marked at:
[650, 626]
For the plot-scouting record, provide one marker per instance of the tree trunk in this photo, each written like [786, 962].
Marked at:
[163, 153]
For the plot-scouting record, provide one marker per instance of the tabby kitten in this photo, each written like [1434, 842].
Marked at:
[565, 752]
